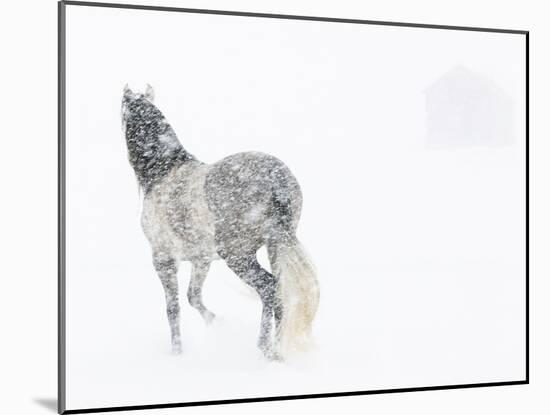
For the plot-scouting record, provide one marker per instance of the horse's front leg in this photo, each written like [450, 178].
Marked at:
[194, 292]
[167, 270]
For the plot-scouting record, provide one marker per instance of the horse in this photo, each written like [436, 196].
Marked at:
[228, 210]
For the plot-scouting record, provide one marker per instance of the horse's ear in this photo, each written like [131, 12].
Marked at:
[149, 93]
[127, 92]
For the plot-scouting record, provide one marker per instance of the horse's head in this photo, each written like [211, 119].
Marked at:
[153, 148]
[136, 104]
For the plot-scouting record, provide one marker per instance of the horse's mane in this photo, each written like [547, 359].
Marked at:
[153, 147]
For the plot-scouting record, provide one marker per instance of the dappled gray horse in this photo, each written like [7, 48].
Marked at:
[200, 212]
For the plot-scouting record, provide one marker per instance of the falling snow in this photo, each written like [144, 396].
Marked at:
[226, 210]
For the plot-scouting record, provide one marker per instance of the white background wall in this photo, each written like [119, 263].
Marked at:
[28, 283]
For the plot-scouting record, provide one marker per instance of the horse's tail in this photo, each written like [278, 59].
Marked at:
[298, 293]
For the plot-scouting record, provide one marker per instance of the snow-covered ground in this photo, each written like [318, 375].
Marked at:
[406, 300]
[420, 251]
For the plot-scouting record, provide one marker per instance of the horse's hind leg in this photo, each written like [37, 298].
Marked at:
[167, 270]
[194, 292]
[250, 271]
[278, 305]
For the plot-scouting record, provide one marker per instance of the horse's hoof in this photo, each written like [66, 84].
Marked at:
[208, 317]
[272, 355]
[275, 357]
[176, 348]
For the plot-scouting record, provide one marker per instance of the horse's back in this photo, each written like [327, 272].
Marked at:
[243, 198]
[244, 192]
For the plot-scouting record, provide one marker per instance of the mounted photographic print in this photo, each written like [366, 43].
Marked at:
[258, 207]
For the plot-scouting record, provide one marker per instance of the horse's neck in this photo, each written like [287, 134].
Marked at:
[154, 150]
